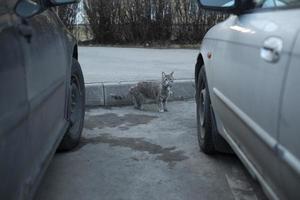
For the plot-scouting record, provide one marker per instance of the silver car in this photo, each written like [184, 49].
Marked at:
[248, 90]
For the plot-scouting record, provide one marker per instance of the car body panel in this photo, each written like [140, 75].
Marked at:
[46, 69]
[14, 109]
[289, 127]
[34, 85]
[246, 90]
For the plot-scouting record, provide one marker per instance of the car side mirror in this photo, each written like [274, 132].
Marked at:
[219, 5]
[62, 2]
[229, 6]
[27, 8]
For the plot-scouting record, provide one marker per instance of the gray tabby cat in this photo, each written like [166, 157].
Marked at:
[158, 91]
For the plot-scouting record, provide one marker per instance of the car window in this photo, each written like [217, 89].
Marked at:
[281, 3]
[268, 4]
[230, 3]
[276, 3]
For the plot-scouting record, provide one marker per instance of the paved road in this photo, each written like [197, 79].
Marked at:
[127, 154]
[109, 64]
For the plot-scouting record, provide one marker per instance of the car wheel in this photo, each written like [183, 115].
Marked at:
[204, 115]
[76, 110]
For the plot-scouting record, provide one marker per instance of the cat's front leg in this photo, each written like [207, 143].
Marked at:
[160, 105]
[141, 107]
[165, 105]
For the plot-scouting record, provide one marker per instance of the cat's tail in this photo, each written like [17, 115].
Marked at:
[129, 95]
[118, 97]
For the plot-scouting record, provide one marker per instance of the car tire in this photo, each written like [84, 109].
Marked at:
[76, 109]
[204, 117]
[210, 141]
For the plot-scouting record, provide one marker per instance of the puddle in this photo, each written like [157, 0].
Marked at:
[112, 120]
[169, 155]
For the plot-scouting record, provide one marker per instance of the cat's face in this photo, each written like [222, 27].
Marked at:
[167, 79]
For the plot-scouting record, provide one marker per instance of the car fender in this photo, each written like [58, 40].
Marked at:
[71, 46]
[205, 59]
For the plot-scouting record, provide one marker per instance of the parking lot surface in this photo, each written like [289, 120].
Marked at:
[111, 64]
[126, 154]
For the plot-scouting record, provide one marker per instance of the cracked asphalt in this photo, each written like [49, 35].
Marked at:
[126, 154]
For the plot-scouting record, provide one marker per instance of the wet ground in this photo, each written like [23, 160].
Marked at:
[135, 155]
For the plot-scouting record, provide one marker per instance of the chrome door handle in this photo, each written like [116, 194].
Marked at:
[271, 49]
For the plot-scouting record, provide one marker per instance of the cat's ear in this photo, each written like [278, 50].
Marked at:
[172, 74]
[163, 74]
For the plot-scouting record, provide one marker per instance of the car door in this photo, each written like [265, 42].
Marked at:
[46, 75]
[250, 62]
[14, 107]
[289, 136]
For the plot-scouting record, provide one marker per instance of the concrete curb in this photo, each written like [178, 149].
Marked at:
[116, 94]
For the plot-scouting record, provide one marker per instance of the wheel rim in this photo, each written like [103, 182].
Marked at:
[201, 108]
[75, 107]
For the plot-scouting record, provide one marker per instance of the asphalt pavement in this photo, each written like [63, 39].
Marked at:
[126, 154]
[112, 64]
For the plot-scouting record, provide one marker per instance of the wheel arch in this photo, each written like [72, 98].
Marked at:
[220, 144]
[75, 52]
[72, 55]
[198, 66]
